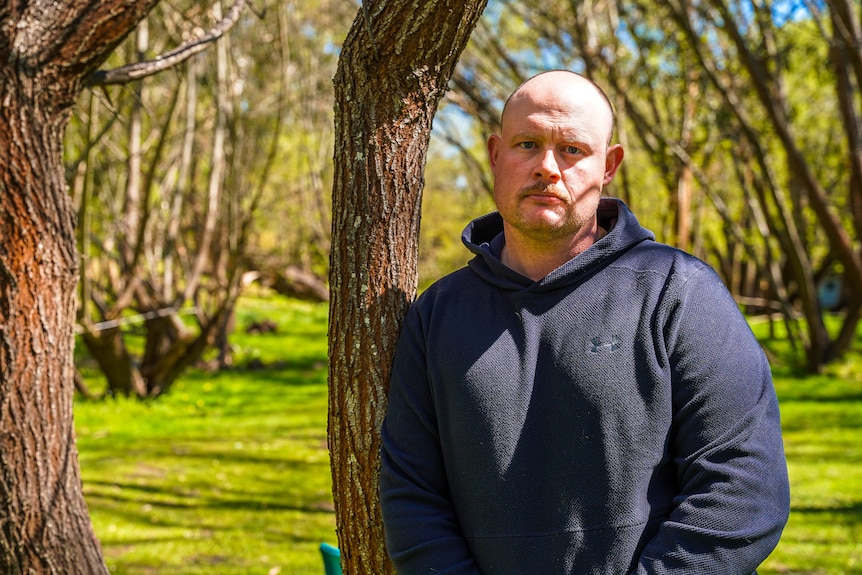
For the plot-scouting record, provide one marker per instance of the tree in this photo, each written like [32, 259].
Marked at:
[162, 230]
[290, 243]
[245, 128]
[394, 68]
[50, 52]
[748, 57]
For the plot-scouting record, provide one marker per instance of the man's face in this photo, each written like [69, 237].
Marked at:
[551, 159]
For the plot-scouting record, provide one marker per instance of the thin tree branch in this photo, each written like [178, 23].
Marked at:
[138, 70]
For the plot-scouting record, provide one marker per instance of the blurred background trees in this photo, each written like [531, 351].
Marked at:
[190, 182]
[741, 123]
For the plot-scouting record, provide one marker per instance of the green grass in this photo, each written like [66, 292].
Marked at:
[822, 422]
[822, 426]
[228, 473]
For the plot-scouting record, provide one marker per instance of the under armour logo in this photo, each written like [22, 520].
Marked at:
[611, 343]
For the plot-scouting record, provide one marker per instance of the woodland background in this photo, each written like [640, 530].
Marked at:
[740, 120]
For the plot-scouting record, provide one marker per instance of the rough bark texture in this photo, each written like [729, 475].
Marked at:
[45, 525]
[394, 68]
[48, 48]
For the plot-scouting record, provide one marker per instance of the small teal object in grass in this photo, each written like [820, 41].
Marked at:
[331, 559]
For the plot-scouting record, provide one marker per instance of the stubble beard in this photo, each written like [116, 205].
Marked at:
[571, 221]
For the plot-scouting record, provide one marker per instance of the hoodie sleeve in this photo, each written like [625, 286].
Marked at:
[725, 441]
[422, 530]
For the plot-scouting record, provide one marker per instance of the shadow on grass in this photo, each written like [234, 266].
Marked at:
[850, 514]
[290, 372]
[825, 395]
[169, 497]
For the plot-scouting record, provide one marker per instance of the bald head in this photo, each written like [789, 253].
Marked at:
[560, 86]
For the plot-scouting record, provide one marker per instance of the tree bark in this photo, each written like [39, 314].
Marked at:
[394, 68]
[48, 48]
[45, 524]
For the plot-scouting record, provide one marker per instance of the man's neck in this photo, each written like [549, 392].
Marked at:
[536, 259]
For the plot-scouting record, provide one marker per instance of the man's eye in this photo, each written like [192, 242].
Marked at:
[573, 150]
[527, 145]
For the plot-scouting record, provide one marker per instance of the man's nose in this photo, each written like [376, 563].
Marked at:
[548, 167]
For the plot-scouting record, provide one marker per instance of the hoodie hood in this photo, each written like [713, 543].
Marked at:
[484, 237]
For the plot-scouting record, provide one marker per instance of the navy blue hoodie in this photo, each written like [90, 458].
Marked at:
[617, 416]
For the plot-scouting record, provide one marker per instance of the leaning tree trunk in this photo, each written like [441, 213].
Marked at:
[48, 49]
[394, 67]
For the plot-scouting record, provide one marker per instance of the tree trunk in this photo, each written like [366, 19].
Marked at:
[48, 49]
[108, 349]
[45, 524]
[394, 68]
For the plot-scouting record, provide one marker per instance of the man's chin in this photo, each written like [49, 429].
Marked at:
[544, 218]
[549, 228]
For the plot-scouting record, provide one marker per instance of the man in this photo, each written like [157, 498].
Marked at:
[579, 399]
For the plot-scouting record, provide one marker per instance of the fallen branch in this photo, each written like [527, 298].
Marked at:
[127, 320]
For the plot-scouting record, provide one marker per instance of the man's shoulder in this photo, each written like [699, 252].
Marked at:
[653, 255]
[455, 282]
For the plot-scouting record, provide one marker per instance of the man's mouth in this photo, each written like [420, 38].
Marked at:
[540, 192]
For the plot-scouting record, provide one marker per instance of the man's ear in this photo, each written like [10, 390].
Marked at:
[493, 149]
[613, 159]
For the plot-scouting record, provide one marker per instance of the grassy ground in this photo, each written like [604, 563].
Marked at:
[228, 474]
[822, 424]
